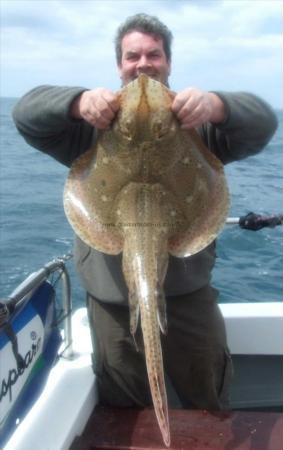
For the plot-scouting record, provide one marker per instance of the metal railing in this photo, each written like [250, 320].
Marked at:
[31, 283]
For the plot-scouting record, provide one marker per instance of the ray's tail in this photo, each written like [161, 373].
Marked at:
[145, 259]
[154, 363]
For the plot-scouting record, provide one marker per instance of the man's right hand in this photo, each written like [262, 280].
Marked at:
[98, 107]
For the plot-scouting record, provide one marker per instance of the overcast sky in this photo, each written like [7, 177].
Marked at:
[218, 44]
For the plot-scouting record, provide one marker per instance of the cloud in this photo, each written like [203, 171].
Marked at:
[229, 44]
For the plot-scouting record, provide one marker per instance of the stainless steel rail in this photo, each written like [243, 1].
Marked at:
[31, 283]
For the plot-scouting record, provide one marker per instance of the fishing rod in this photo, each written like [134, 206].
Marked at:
[255, 222]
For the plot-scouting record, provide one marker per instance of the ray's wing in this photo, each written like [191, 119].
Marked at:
[88, 204]
[201, 192]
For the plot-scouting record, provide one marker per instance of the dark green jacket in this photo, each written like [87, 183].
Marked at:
[42, 117]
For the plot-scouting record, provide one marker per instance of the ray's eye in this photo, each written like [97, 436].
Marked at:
[127, 130]
[159, 130]
[163, 129]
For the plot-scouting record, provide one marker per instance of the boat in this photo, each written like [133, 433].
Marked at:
[48, 388]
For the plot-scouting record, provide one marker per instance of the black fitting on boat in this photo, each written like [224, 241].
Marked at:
[255, 222]
[5, 311]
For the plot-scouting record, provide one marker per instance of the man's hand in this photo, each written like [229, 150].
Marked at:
[97, 107]
[194, 107]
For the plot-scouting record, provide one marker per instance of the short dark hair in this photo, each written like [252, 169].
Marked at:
[145, 24]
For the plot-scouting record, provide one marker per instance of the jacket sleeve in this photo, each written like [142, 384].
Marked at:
[249, 126]
[42, 118]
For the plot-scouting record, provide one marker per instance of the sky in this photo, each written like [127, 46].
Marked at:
[228, 45]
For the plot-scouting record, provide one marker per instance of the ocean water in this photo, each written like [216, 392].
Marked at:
[34, 229]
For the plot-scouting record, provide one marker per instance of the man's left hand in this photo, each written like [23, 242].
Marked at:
[194, 107]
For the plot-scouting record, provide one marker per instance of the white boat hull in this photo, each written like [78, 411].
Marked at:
[60, 414]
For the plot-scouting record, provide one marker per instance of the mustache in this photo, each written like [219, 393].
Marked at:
[154, 75]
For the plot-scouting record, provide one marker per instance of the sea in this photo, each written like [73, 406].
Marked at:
[34, 229]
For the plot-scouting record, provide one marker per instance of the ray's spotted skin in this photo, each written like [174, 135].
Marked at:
[147, 189]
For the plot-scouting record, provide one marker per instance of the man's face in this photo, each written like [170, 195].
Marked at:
[143, 53]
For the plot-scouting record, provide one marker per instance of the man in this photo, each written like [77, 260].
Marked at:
[63, 122]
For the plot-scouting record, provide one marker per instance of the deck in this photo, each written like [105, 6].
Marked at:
[133, 429]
